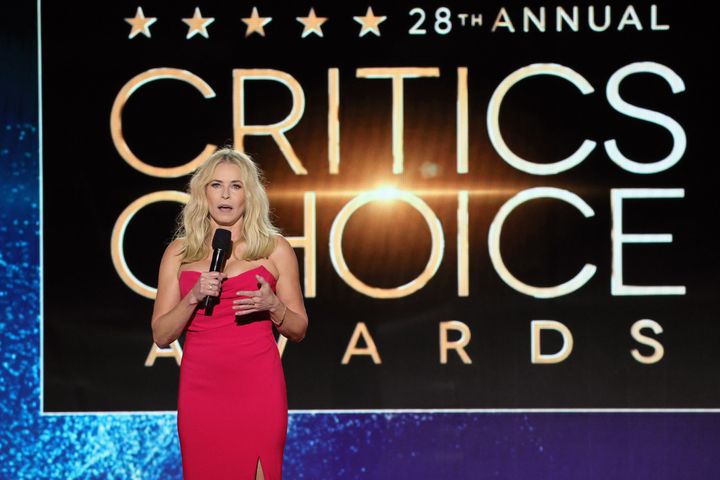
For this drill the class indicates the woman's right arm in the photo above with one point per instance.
(172, 311)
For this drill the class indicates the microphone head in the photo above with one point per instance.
(222, 239)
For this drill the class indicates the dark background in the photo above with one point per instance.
(96, 330)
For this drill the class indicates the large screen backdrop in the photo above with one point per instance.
(501, 214)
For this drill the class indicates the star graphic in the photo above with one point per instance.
(198, 24)
(370, 23)
(140, 24)
(312, 24)
(255, 23)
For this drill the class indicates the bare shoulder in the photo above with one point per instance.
(173, 252)
(283, 251)
(282, 245)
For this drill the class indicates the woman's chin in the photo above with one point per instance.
(225, 220)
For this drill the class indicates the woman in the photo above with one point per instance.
(232, 405)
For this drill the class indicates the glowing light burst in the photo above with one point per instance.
(386, 192)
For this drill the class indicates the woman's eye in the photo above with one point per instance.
(215, 185)
(237, 186)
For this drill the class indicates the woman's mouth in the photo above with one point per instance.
(225, 208)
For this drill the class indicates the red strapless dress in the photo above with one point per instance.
(232, 403)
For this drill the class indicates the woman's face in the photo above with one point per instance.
(226, 194)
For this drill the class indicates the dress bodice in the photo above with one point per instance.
(223, 313)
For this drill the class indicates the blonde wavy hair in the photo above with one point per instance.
(194, 226)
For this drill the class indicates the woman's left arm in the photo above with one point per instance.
(286, 305)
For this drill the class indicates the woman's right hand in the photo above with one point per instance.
(208, 285)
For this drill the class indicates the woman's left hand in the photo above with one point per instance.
(257, 300)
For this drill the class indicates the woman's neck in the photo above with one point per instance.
(235, 230)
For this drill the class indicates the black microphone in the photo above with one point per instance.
(222, 244)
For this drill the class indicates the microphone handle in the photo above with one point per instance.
(216, 264)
